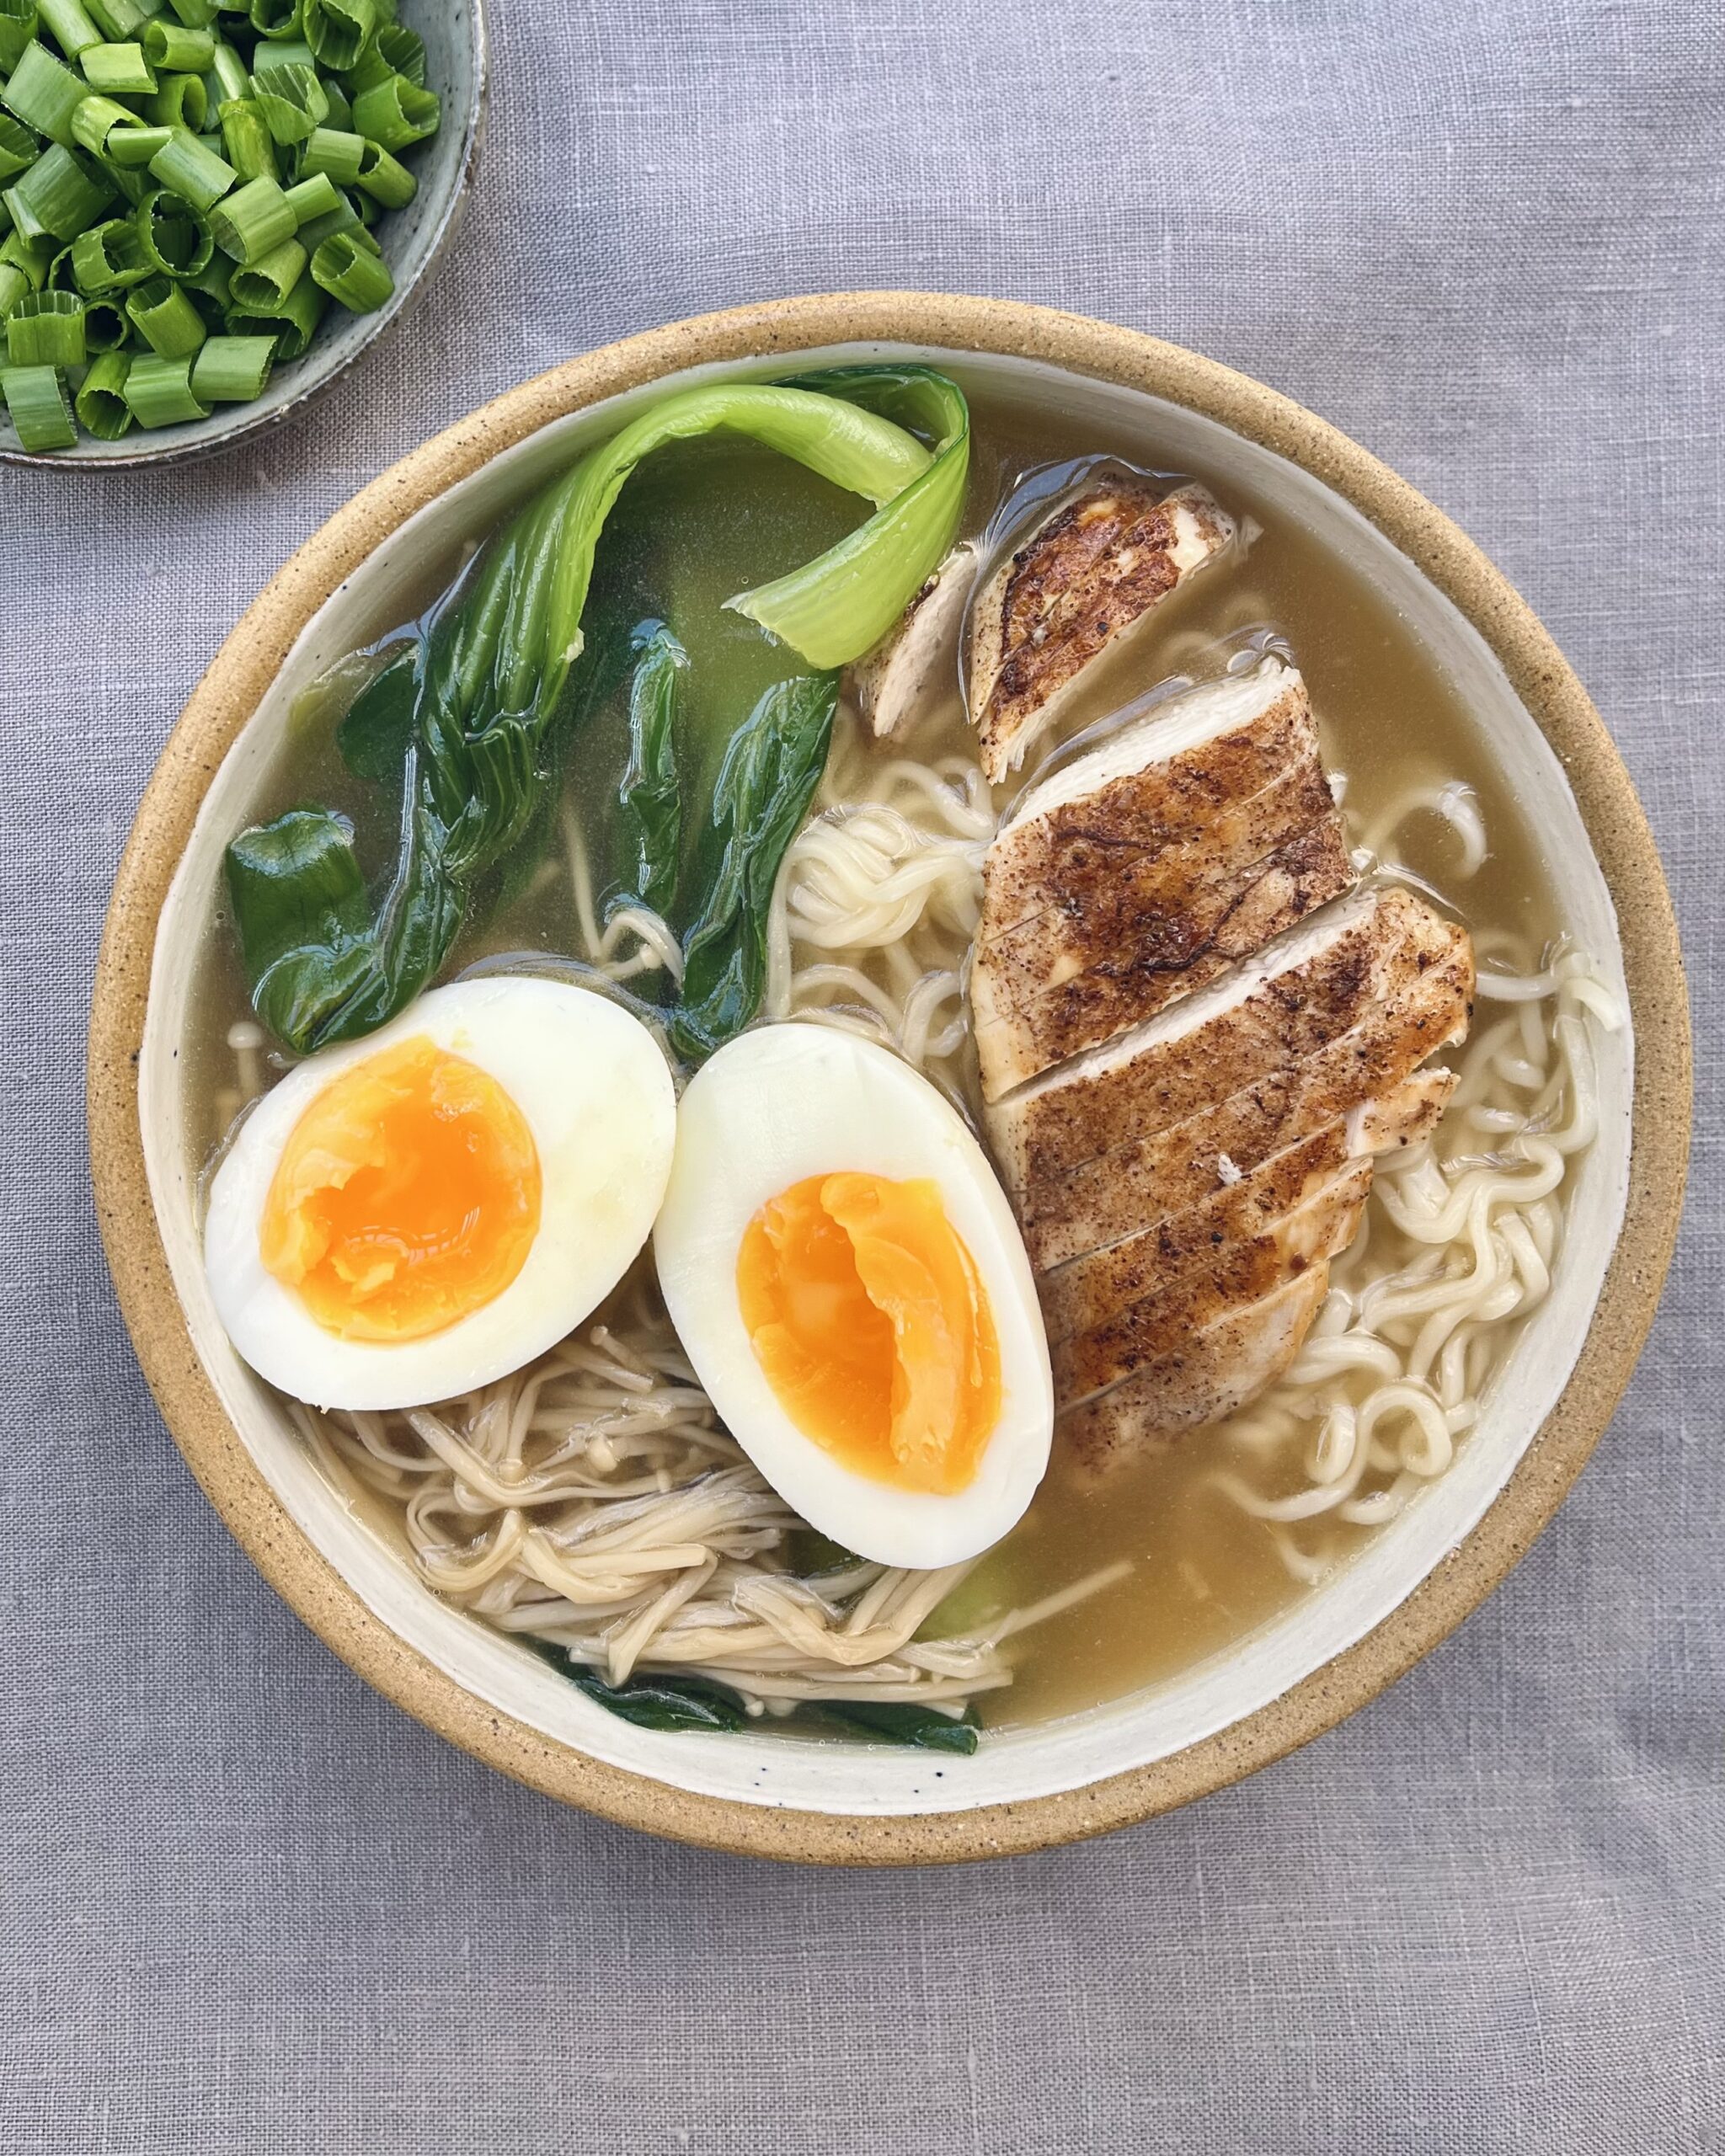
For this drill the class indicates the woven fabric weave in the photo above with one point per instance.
(246, 1905)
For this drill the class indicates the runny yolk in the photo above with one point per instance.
(867, 1314)
(406, 1196)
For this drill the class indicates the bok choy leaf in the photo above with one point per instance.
(649, 803)
(468, 727)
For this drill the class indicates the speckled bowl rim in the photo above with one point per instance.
(230, 690)
(240, 423)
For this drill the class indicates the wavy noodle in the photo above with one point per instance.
(594, 1500)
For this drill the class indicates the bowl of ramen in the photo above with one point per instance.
(887, 1078)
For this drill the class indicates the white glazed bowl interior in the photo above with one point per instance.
(1016, 1766)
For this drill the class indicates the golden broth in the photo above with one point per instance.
(1199, 1572)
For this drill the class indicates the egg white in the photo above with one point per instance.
(790, 1101)
(594, 1089)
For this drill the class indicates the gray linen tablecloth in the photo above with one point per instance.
(247, 1905)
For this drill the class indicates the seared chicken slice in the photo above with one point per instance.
(1132, 1187)
(1232, 1359)
(1141, 871)
(1089, 575)
(900, 678)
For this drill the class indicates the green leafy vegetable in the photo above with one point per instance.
(771, 769)
(901, 1722)
(666, 1703)
(650, 802)
(476, 760)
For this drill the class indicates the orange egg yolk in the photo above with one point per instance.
(406, 1198)
(867, 1314)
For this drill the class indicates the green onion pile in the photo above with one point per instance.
(185, 187)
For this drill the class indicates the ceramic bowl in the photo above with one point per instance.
(414, 240)
(1299, 1675)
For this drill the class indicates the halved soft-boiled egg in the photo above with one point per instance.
(419, 1213)
(846, 1275)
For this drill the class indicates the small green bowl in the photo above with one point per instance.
(414, 240)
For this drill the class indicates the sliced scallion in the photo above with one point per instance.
(35, 396)
(338, 31)
(194, 173)
(291, 100)
(195, 14)
(275, 19)
(130, 149)
(32, 256)
(66, 23)
(343, 218)
(46, 330)
(61, 193)
(356, 275)
(264, 284)
(280, 54)
(108, 258)
(341, 112)
(173, 45)
(176, 235)
(107, 326)
(252, 220)
(209, 292)
(232, 77)
(395, 51)
(247, 142)
(385, 178)
(117, 71)
(123, 18)
(333, 151)
(19, 148)
(17, 29)
(160, 393)
(44, 93)
(14, 285)
(396, 113)
(96, 120)
(165, 318)
(314, 196)
(233, 369)
(181, 101)
(100, 403)
(293, 324)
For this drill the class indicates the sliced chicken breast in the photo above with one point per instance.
(910, 666)
(1141, 872)
(1090, 575)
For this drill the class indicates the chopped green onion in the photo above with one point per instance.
(100, 403)
(96, 119)
(44, 94)
(395, 51)
(31, 255)
(233, 369)
(209, 292)
(68, 25)
(396, 113)
(197, 13)
(119, 70)
(341, 112)
(385, 178)
(250, 149)
(19, 148)
(60, 278)
(46, 330)
(291, 100)
(123, 19)
(130, 149)
(108, 258)
(14, 285)
(194, 173)
(351, 274)
(173, 45)
(338, 31)
(165, 318)
(176, 235)
(343, 218)
(253, 220)
(35, 396)
(276, 57)
(264, 284)
(275, 19)
(330, 150)
(18, 29)
(60, 195)
(232, 76)
(160, 393)
(107, 326)
(313, 197)
(182, 101)
(293, 324)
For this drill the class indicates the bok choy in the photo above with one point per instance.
(466, 727)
